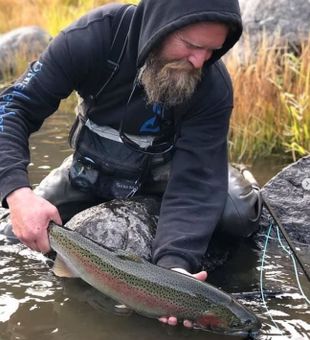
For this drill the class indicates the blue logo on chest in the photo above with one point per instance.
(152, 124)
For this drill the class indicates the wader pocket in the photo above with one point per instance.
(106, 167)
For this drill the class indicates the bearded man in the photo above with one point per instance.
(169, 100)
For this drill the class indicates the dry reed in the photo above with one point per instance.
(51, 15)
(272, 111)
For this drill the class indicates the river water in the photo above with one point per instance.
(34, 304)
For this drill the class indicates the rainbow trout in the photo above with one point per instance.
(148, 289)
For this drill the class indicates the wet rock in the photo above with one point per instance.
(130, 225)
(288, 194)
(120, 224)
(7, 236)
(289, 18)
(24, 43)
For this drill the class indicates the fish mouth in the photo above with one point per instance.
(249, 334)
(248, 328)
(245, 321)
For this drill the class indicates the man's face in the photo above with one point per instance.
(172, 72)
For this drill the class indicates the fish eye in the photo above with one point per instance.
(248, 322)
(235, 324)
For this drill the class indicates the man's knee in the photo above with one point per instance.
(243, 205)
(57, 189)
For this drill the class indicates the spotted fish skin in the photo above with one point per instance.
(151, 290)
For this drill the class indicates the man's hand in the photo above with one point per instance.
(172, 320)
(30, 217)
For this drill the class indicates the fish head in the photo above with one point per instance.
(224, 321)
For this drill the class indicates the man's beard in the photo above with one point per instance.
(170, 83)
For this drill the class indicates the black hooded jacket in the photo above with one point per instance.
(76, 60)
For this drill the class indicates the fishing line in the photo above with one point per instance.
(288, 251)
(285, 235)
(261, 279)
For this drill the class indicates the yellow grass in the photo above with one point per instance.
(52, 15)
(272, 101)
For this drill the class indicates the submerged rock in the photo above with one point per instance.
(130, 225)
(120, 224)
(5, 223)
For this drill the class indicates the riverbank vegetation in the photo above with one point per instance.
(272, 85)
(51, 15)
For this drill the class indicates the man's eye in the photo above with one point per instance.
(193, 47)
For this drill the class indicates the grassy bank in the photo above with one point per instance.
(272, 101)
(51, 15)
(272, 110)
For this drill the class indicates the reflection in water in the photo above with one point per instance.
(8, 306)
(39, 306)
(36, 305)
(49, 146)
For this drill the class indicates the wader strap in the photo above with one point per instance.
(118, 47)
(112, 66)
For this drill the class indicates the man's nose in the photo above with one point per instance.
(198, 57)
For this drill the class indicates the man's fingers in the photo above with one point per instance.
(172, 321)
(35, 239)
(201, 276)
(32, 245)
(25, 238)
(163, 319)
(43, 245)
(187, 324)
(56, 217)
(30, 215)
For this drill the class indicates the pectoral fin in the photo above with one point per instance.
(61, 269)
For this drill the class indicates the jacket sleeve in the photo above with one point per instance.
(74, 60)
(196, 192)
(23, 108)
(34, 96)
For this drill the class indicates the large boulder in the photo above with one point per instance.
(129, 225)
(120, 224)
(291, 18)
(21, 44)
(288, 194)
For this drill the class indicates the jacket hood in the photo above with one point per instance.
(155, 19)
